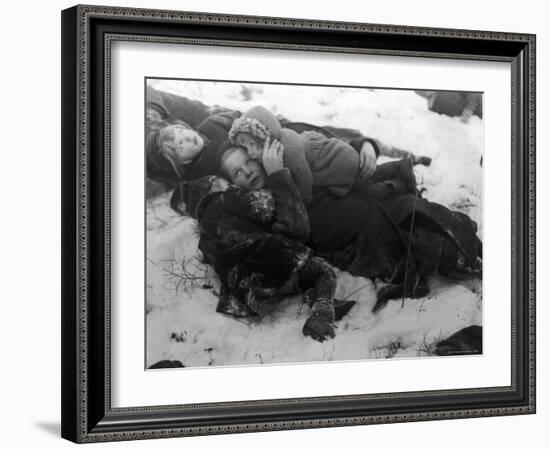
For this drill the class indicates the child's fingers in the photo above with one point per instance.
(270, 150)
(267, 153)
(266, 144)
(278, 148)
(275, 148)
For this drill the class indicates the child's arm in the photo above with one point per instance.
(301, 173)
(280, 208)
(358, 143)
(385, 149)
(175, 107)
(334, 163)
(368, 155)
(291, 218)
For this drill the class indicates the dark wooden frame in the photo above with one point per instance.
(87, 32)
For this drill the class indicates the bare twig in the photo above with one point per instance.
(428, 347)
(180, 274)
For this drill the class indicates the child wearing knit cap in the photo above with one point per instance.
(176, 152)
(315, 160)
(179, 144)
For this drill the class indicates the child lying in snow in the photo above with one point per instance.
(253, 241)
(316, 160)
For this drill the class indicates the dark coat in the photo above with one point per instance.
(443, 240)
(175, 107)
(371, 239)
(349, 135)
(253, 239)
(356, 234)
(215, 128)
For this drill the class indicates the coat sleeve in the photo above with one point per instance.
(300, 170)
(216, 127)
(291, 218)
(254, 206)
(175, 107)
(357, 144)
(333, 163)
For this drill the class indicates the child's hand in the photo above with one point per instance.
(367, 160)
(272, 157)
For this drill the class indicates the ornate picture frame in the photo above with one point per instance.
(88, 33)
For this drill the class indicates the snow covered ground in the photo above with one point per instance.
(182, 323)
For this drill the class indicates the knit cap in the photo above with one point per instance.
(250, 126)
(157, 161)
(161, 164)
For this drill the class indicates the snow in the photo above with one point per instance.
(182, 323)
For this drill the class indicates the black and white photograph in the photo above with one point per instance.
(295, 223)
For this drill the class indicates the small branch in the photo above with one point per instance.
(179, 274)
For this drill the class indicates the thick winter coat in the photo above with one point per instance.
(253, 239)
(374, 239)
(355, 233)
(173, 107)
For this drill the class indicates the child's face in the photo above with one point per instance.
(185, 145)
(252, 146)
(244, 171)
